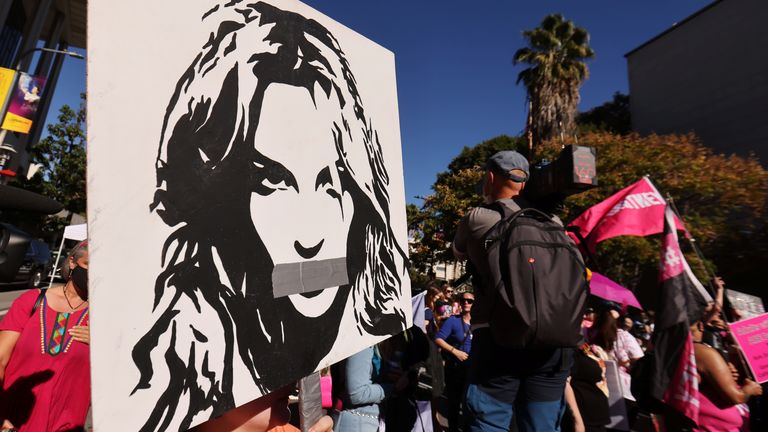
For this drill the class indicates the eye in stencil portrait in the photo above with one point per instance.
(273, 179)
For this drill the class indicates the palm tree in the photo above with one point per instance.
(555, 55)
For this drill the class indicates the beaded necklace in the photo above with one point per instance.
(58, 339)
(70, 303)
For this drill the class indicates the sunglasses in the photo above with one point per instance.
(467, 300)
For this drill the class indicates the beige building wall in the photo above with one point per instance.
(708, 75)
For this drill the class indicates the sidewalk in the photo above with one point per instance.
(6, 298)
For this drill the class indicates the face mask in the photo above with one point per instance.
(79, 277)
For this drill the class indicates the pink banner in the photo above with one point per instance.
(752, 336)
(635, 210)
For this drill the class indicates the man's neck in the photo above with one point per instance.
(502, 196)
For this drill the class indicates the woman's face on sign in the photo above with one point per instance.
(298, 207)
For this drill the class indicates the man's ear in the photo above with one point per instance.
(488, 183)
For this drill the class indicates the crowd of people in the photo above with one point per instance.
(451, 368)
(490, 386)
(611, 333)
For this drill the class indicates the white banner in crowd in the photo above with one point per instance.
(617, 407)
(747, 305)
(76, 232)
(246, 204)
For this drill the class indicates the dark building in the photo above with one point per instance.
(26, 26)
(708, 74)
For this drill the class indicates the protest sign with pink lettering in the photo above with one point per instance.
(752, 336)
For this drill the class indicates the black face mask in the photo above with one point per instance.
(79, 277)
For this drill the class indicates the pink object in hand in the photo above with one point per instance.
(326, 388)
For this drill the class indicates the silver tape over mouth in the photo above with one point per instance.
(308, 276)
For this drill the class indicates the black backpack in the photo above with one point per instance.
(538, 285)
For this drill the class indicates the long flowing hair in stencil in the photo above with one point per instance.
(215, 259)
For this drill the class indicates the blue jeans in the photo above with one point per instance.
(504, 381)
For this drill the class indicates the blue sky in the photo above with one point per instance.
(456, 81)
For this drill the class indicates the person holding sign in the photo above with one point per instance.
(266, 414)
(719, 391)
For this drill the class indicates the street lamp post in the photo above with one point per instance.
(50, 50)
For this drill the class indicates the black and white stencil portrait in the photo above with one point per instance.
(246, 204)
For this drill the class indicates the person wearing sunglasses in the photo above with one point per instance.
(448, 290)
(455, 339)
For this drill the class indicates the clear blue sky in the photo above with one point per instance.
(456, 82)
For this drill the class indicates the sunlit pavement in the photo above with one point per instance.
(6, 298)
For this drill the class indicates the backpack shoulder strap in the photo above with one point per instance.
(535, 213)
(39, 300)
(505, 211)
(509, 214)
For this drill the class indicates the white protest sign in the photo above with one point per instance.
(617, 408)
(246, 204)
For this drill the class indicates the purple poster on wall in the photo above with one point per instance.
(22, 106)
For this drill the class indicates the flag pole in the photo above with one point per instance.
(584, 248)
(695, 246)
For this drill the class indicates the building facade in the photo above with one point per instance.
(27, 29)
(708, 74)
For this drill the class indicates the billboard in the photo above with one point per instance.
(246, 204)
(23, 103)
(7, 78)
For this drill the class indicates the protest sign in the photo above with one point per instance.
(617, 407)
(748, 306)
(752, 336)
(245, 203)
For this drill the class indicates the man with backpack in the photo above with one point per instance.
(530, 292)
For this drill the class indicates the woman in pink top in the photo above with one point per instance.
(719, 394)
(44, 355)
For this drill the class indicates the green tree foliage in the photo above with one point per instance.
(723, 200)
(62, 175)
(613, 116)
(455, 191)
(555, 56)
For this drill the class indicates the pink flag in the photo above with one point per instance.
(635, 210)
(683, 299)
(683, 391)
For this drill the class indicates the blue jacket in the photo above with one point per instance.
(362, 393)
(457, 333)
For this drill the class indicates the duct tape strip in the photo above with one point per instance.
(308, 276)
